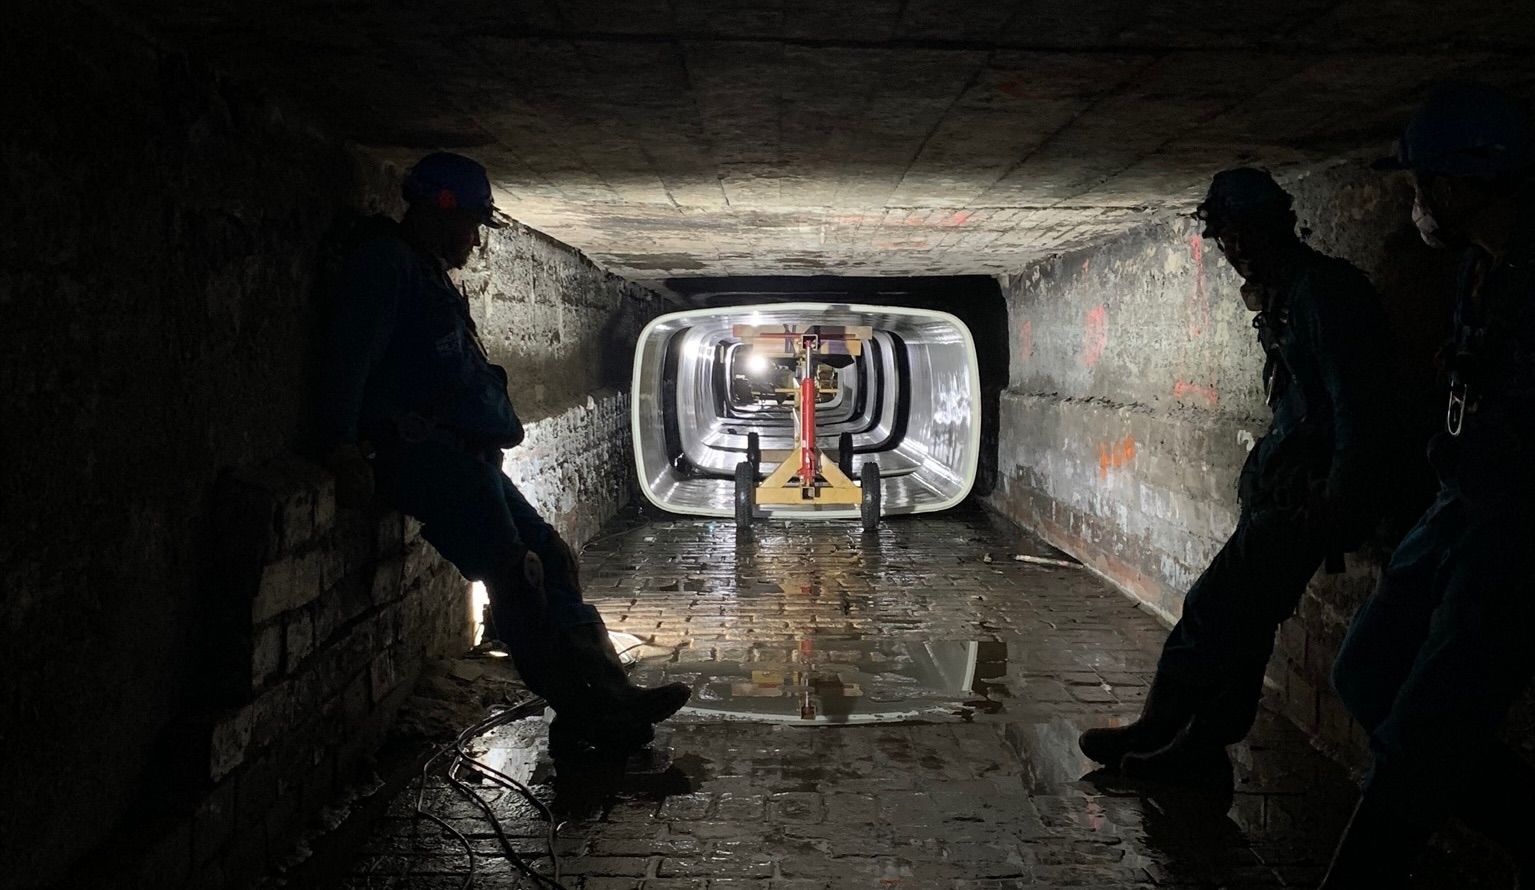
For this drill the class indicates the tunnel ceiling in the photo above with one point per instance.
(865, 137)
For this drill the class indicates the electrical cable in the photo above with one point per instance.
(505, 780)
(460, 757)
(421, 811)
(639, 524)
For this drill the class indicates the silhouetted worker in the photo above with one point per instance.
(1309, 490)
(408, 378)
(1438, 654)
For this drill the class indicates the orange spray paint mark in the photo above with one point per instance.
(1199, 303)
(1186, 391)
(1114, 455)
(1095, 335)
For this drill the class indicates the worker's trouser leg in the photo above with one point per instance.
(561, 570)
(1223, 641)
(481, 523)
(477, 519)
(1439, 653)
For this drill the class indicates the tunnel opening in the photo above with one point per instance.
(900, 400)
(836, 377)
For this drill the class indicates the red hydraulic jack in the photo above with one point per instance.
(806, 477)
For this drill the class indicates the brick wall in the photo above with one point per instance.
(1136, 393)
(164, 698)
(565, 330)
(322, 622)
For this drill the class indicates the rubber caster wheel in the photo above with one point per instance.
(746, 494)
(868, 507)
(754, 451)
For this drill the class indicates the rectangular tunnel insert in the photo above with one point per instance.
(909, 401)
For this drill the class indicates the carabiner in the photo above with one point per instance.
(1455, 411)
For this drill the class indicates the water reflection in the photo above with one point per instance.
(821, 679)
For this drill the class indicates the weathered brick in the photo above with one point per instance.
(230, 739)
(411, 530)
(289, 583)
(388, 580)
(383, 673)
(266, 652)
(298, 629)
(390, 536)
(213, 822)
(337, 607)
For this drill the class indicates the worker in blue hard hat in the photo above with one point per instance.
(411, 406)
(1441, 650)
(1311, 488)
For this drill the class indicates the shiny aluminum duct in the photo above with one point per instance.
(910, 401)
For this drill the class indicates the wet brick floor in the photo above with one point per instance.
(801, 641)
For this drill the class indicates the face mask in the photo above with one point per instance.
(1252, 296)
(1428, 227)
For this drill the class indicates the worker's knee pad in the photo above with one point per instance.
(518, 603)
(519, 580)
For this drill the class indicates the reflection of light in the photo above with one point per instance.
(479, 598)
(756, 364)
(627, 646)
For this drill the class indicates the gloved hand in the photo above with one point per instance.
(354, 475)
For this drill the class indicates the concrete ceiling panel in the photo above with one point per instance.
(883, 137)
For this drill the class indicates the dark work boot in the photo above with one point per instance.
(588, 724)
(1498, 808)
(1378, 848)
(597, 662)
(1192, 759)
(593, 658)
(576, 739)
(1169, 707)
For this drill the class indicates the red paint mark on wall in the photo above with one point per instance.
(1021, 87)
(1026, 341)
(1115, 455)
(1199, 302)
(1095, 335)
(1185, 391)
(957, 218)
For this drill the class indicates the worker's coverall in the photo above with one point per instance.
(1439, 653)
(1329, 375)
(407, 374)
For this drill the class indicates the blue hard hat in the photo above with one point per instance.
(1241, 195)
(1465, 129)
(447, 181)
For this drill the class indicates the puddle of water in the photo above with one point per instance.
(1049, 754)
(826, 680)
